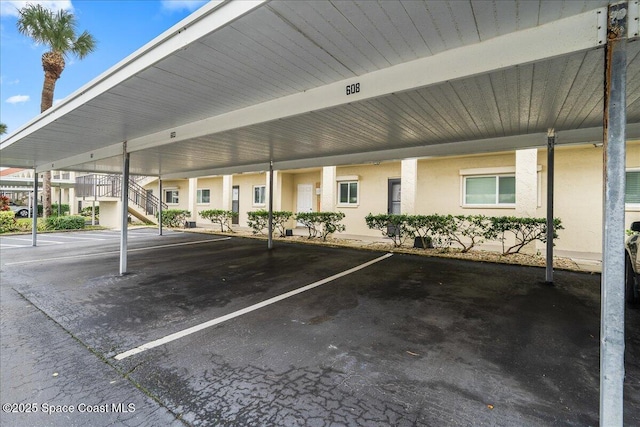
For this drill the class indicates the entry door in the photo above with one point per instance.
(393, 200)
(149, 203)
(305, 198)
(235, 203)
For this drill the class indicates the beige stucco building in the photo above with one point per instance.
(507, 183)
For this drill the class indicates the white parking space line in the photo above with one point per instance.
(2, 246)
(80, 238)
(243, 311)
(117, 252)
(29, 240)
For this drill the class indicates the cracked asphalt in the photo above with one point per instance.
(405, 341)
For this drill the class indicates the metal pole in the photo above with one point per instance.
(60, 200)
(125, 209)
(270, 244)
(34, 224)
(612, 286)
(94, 179)
(160, 206)
(551, 142)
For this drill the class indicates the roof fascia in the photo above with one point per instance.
(491, 145)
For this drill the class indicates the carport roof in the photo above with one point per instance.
(238, 84)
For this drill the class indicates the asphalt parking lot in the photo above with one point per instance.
(210, 330)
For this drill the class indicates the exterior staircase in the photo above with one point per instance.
(142, 204)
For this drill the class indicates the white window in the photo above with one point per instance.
(203, 196)
(489, 190)
(632, 190)
(171, 197)
(259, 194)
(348, 192)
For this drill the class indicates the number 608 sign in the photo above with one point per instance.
(353, 88)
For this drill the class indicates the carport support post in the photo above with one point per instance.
(160, 206)
(551, 142)
(270, 243)
(125, 209)
(34, 212)
(612, 287)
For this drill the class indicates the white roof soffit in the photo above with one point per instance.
(270, 83)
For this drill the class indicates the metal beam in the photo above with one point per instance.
(551, 142)
(612, 287)
(270, 239)
(125, 209)
(160, 206)
(34, 214)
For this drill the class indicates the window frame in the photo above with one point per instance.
(199, 196)
(496, 204)
(177, 196)
(348, 183)
(263, 194)
(631, 206)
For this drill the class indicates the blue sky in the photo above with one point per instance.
(121, 27)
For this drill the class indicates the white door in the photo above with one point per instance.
(305, 198)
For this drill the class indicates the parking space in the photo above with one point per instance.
(221, 331)
(66, 238)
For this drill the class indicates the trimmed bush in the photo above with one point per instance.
(393, 226)
(468, 230)
(73, 222)
(174, 218)
(7, 222)
(26, 224)
(87, 211)
(321, 224)
(219, 216)
(525, 231)
(259, 221)
(464, 230)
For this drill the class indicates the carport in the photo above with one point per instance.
(253, 85)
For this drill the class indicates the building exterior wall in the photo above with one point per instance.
(373, 181)
(439, 189)
(214, 185)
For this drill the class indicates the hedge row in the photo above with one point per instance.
(174, 217)
(220, 217)
(319, 224)
(9, 223)
(466, 231)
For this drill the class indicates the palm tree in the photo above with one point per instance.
(3, 128)
(57, 31)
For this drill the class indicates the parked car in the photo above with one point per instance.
(19, 210)
(632, 263)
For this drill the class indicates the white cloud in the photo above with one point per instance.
(16, 99)
(190, 5)
(10, 7)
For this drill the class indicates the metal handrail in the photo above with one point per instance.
(110, 186)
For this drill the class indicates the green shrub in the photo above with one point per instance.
(7, 221)
(468, 230)
(87, 211)
(321, 224)
(73, 222)
(259, 221)
(26, 224)
(174, 217)
(524, 230)
(390, 225)
(219, 216)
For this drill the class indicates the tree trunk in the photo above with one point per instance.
(53, 64)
